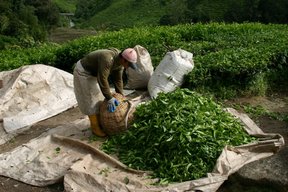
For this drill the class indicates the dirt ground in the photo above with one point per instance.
(62, 35)
(275, 103)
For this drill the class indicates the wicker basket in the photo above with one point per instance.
(118, 121)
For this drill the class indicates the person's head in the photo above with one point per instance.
(129, 58)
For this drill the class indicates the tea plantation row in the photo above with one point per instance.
(230, 59)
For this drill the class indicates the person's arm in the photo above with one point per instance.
(102, 77)
(118, 81)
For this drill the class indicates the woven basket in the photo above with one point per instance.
(120, 119)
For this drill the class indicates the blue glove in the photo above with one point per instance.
(112, 103)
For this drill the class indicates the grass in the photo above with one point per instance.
(127, 13)
(67, 6)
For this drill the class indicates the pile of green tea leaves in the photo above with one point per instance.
(179, 136)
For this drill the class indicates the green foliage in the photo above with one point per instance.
(89, 8)
(27, 19)
(16, 57)
(242, 56)
(66, 6)
(115, 15)
(258, 111)
(230, 59)
(46, 12)
(35, 18)
(179, 135)
(121, 14)
(6, 41)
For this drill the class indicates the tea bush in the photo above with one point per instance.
(236, 58)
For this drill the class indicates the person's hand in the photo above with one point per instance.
(112, 104)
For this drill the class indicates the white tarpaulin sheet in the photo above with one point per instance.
(30, 94)
(65, 152)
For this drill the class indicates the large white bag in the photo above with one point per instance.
(138, 79)
(170, 73)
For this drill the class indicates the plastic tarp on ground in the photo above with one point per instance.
(65, 154)
(30, 94)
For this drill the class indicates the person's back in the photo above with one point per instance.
(98, 60)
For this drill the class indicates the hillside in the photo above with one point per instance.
(67, 6)
(127, 13)
(112, 14)
(31, 21)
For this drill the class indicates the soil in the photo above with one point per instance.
(63, 35)
(275, 103)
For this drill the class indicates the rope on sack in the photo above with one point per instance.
(128, 113)
(132, 104)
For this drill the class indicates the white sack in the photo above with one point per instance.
(33, 93)
(170, 72)
(138, 79)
